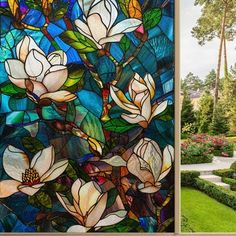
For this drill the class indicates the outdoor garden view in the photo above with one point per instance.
(208, 118)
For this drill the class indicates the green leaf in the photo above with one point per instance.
(62, 224)
(78, 41)
(32, 144)
(71, 172)
(44, 199)
(71, 112)
(74, 77)
(89, 123)
(57, 187)
(59, 9)
(32, 200)
(112, 194)
(166, 115)
(124, 5)
(34, 4)
(126, 225)
(151, 18)
(12, 90)
(118, 125)
(125, 43)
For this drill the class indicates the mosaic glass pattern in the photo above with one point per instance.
(87, 116)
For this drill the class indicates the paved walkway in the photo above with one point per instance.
(218, 163)
(207, 169)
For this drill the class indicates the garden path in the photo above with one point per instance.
(207, 169)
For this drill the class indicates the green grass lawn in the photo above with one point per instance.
(200, 213)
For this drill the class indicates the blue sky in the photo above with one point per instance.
(193, 57)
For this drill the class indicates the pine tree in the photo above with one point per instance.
(232, 117)
(218, 20)
(204, 117)
(187, 113)
(219, 124)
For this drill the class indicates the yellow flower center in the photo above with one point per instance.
(30, 177)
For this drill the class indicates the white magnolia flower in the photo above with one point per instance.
(29, 177)
(100, 16)
(89, 204)
(42, 75)
(149, 165)
(141, 91)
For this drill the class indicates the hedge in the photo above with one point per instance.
(219, 193)
(224, 172)
(231, 182)
(188, 178)
(233, 166)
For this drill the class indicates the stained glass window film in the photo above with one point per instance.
(87, 116)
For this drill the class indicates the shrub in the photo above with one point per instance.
(188, 178)
(231, 182)
(224, 172)
(219, 193)
(220, 146)
(233, 166)
(194, 153)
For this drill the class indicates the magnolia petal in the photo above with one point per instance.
(167, 161)
(55, 171)
(149, 188)
(55, 77)
(75, 189)
(18, 82)
(88, 196)
(57, 58)
(60, 96)
(15, 162)
(169, 151)
(8, 187)
(38, 88)
(85, 5)
(43, 160)
(15, 69)
(30, 190)
(111, 39)
(115, 161)
(156, 110)
(112, 218)
(151, 154)
(150, 84)
(36, 65)
(137, 84)
(66, 204)
(120, 99)
(25, 46)
(112, 7)
(78, 229)
(134, 166)
(83, 29)
(133, 119)
(95, 214)
(95, 23)
(103, 11)
(146, 109)
(125, 26)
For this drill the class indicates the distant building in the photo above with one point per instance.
(195, 97)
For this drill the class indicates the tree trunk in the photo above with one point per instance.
(225, 60)
(219, 59)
